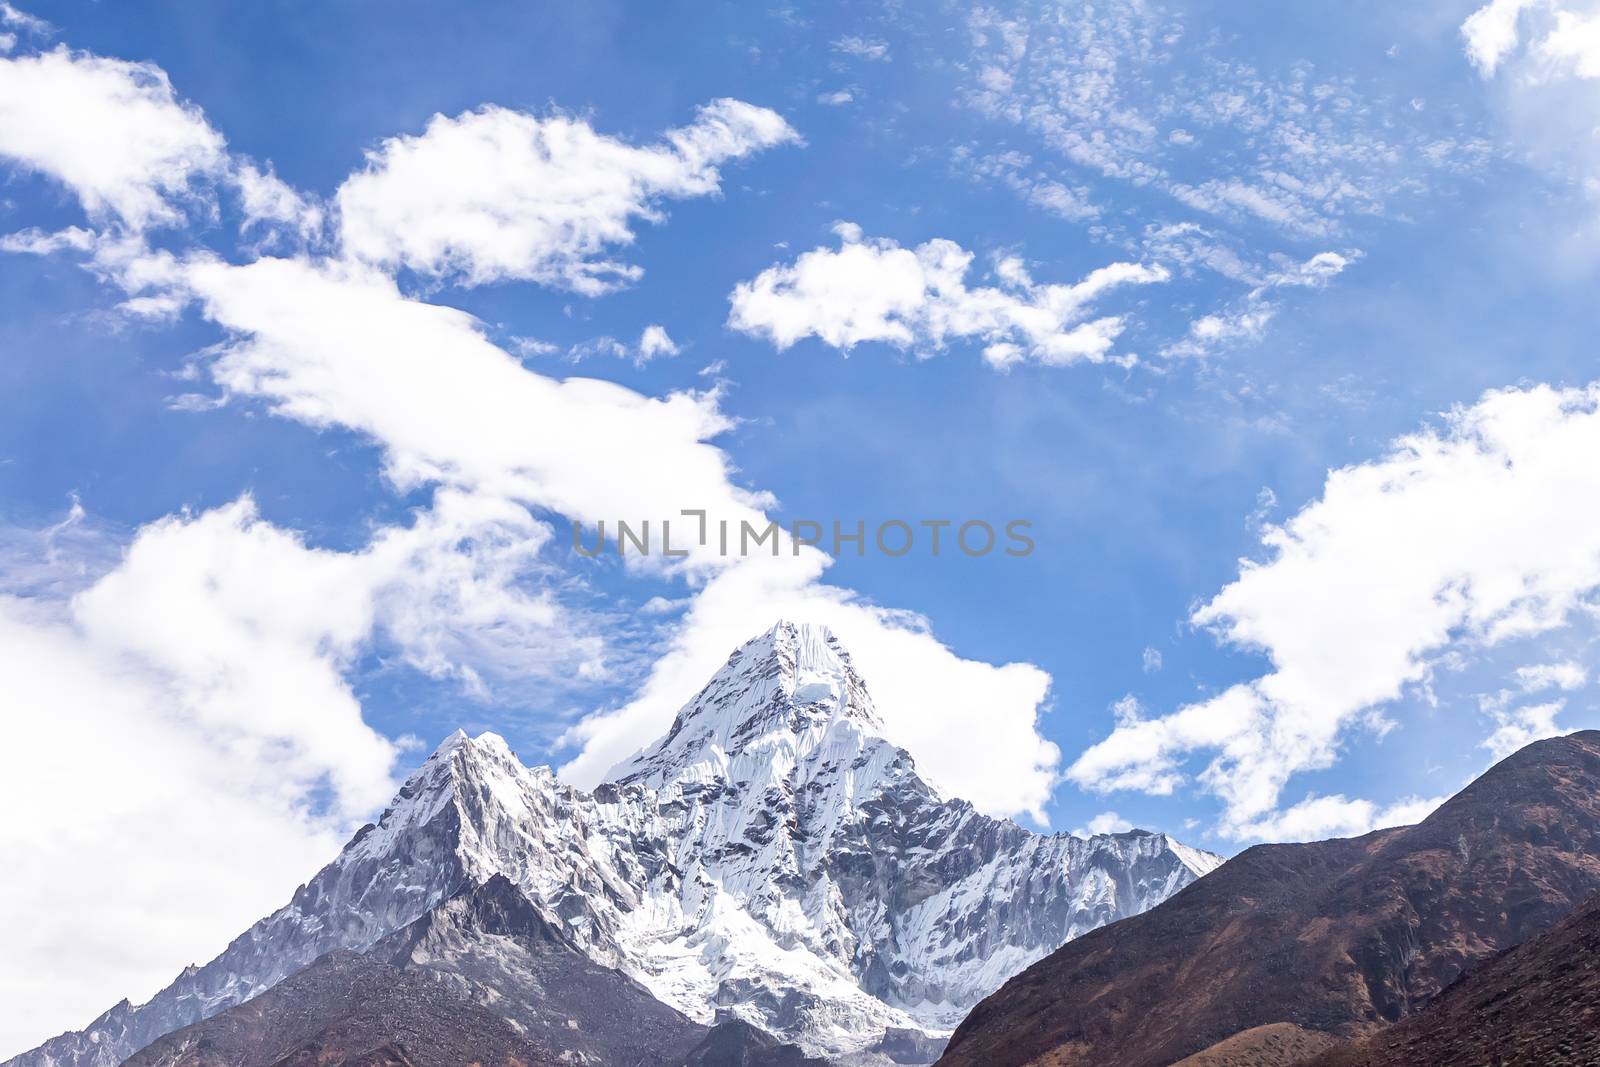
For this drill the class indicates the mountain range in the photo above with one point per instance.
(773, 884)
(770, 881)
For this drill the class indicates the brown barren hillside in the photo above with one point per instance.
(1535, 1006)
(1336, 937)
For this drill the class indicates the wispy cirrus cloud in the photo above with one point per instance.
(1132, 96)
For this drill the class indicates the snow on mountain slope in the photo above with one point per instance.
(772, 857)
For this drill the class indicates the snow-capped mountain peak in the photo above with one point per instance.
(772, 857)
(779, 697)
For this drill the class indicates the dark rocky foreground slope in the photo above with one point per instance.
(1332, 939)
(348, 1010)
(1537, 1005)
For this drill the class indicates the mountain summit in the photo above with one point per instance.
(778, 699)
(771, 859)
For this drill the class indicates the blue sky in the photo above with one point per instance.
(277, 506)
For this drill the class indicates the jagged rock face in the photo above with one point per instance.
(492, 946)
(772, 858)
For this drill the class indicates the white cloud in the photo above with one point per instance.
(21, 20)
(654, 342)
(1151, 660)
(918, 298)
(329, 343)
(1541, 676)
(1522, 726)
(1317, 818)
(120, 782)
(494, 195)
(112, 131)
(862, 47)
(837, 98)
(57, 561)
(266, 200)
(1491, 32)
(1575, 42)
(1563, 40)
(1107, 822)
(1463, 536)
(185, 704)
(1542, 72)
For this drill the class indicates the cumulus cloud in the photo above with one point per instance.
(267, 200)
(1491, 32)
(918, 298)
(184, 704)
(120, 775)
(330, 343)
(654, 342)
(496, 195)
(1465, 535)
(111, 131)
(1562, 39)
